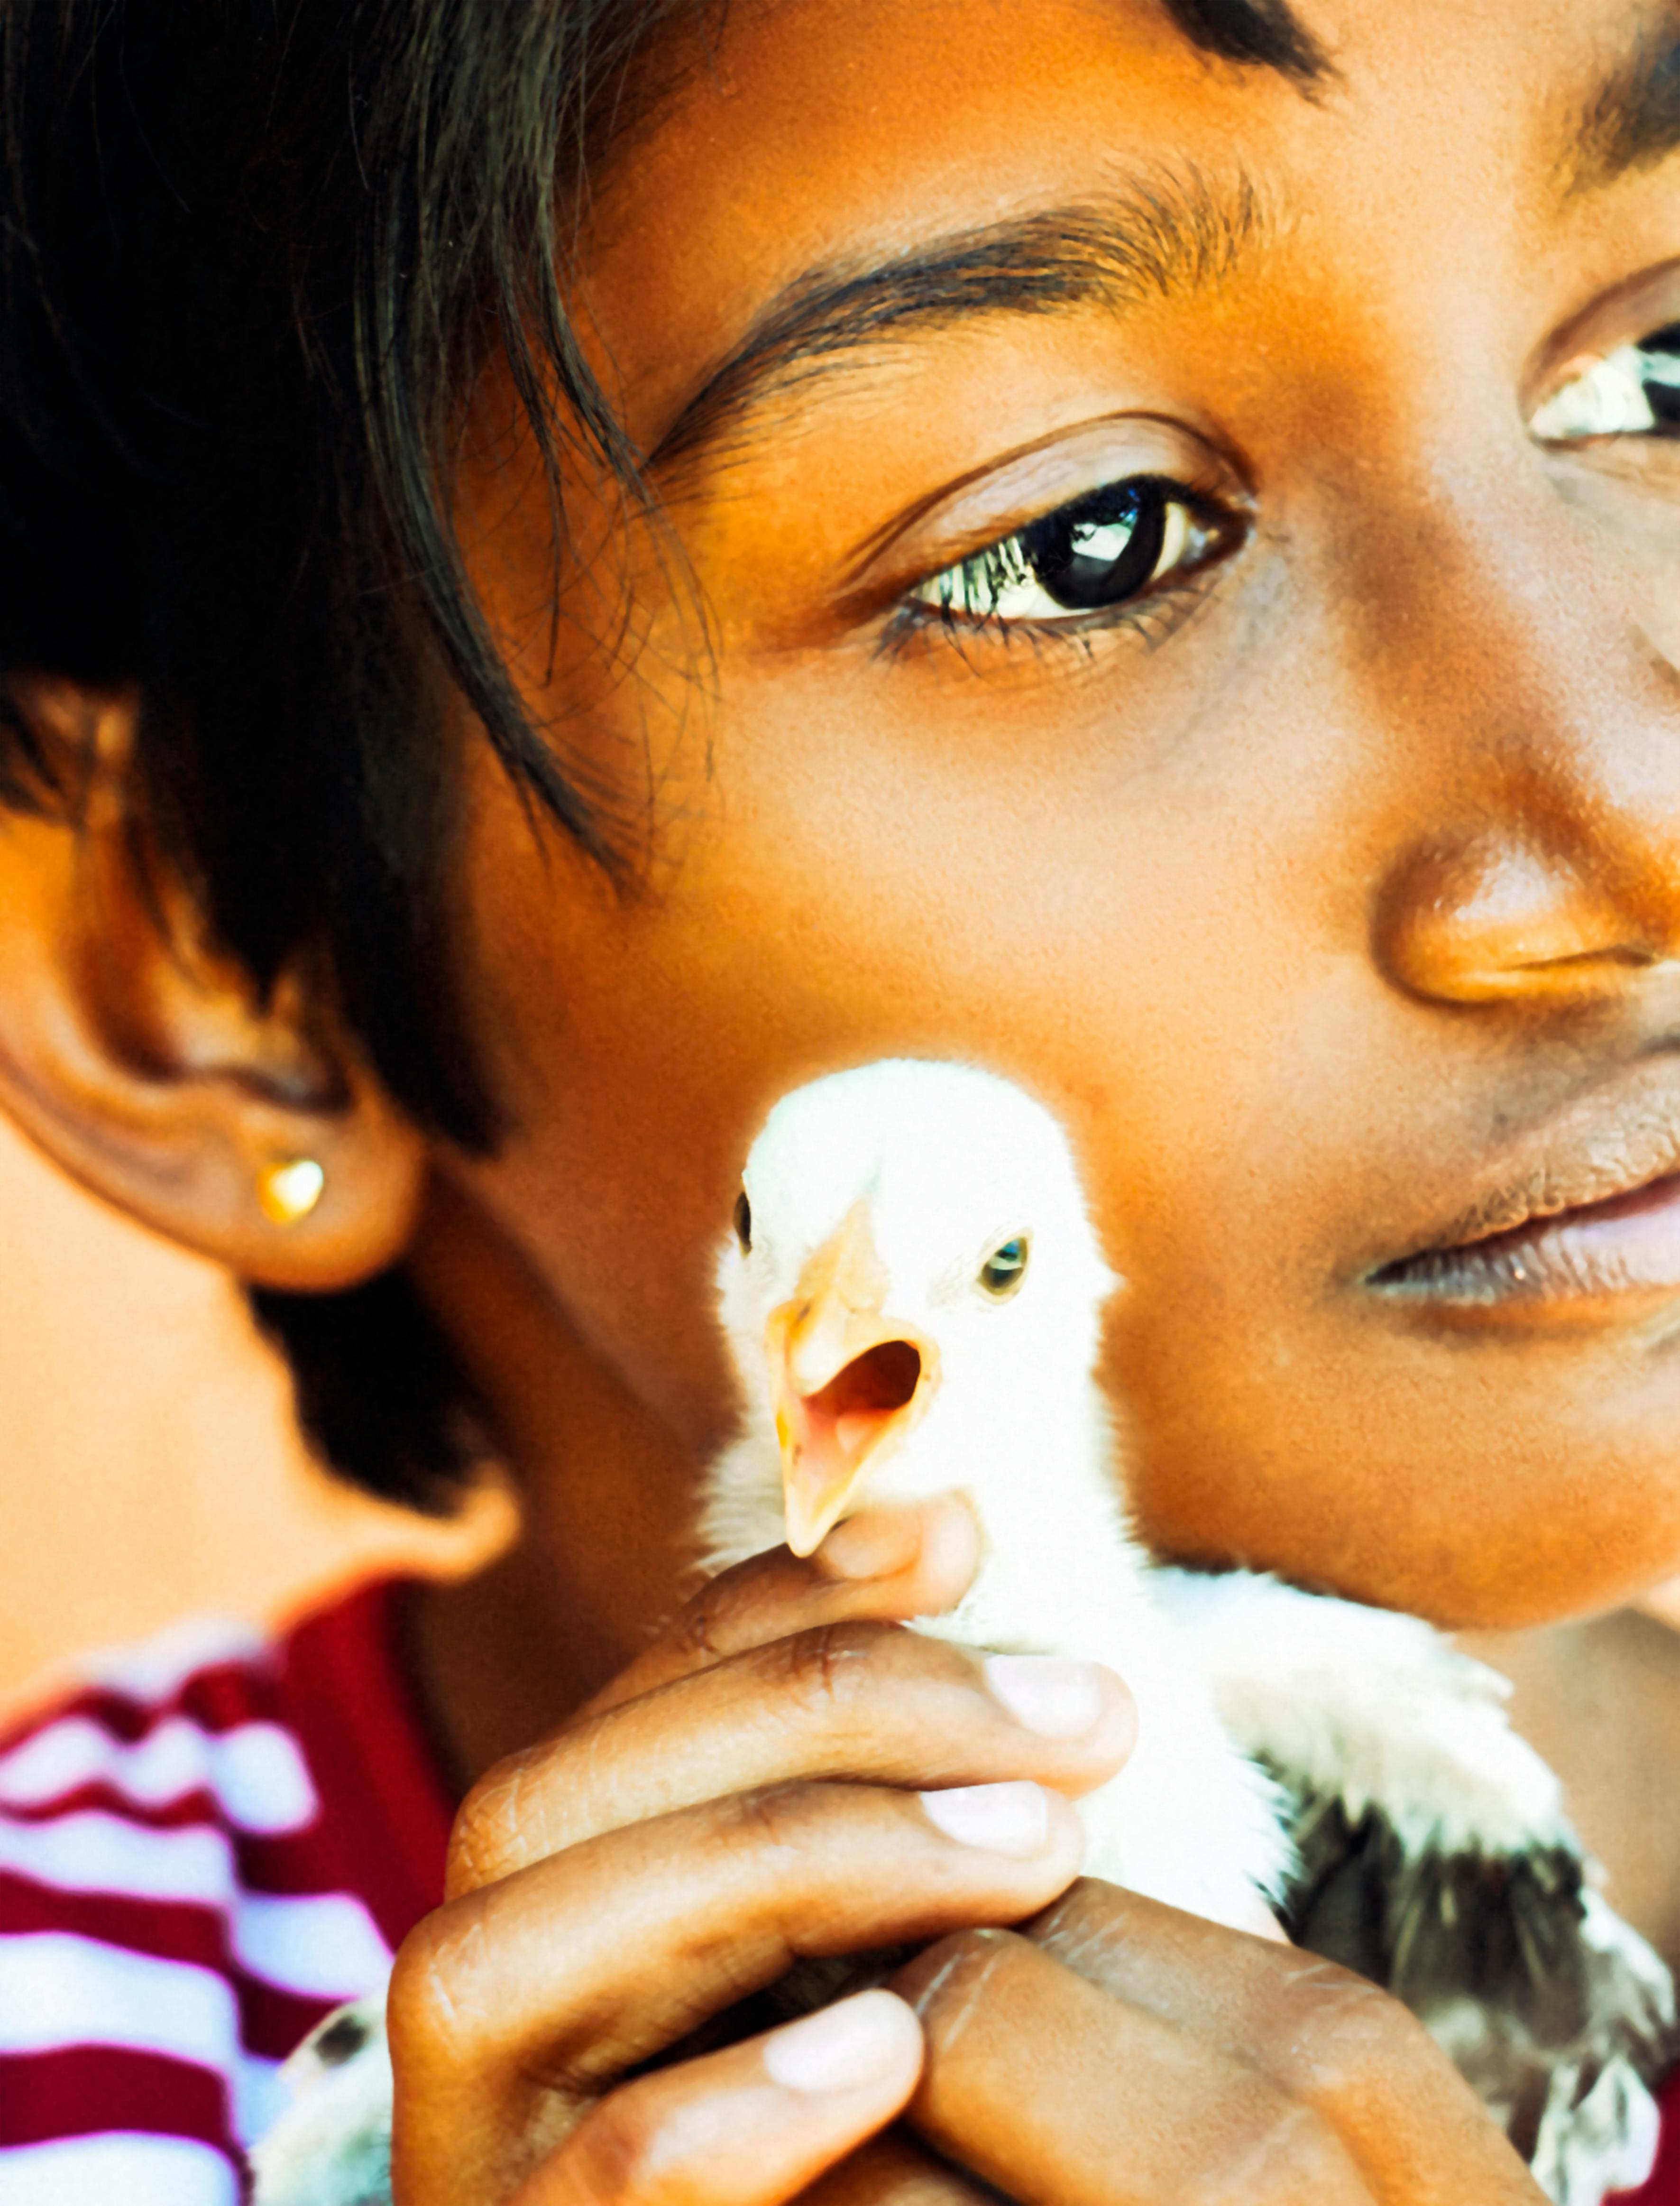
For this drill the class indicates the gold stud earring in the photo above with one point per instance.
(288, 1188)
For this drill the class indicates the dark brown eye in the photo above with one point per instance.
(1005, 1268)
(743, 1221)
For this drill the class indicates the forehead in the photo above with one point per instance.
(821, 134)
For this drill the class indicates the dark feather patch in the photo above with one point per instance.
(1491, 1953)
(340, 2041)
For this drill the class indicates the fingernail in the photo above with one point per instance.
(873, 1546)
(859, 2041)
(1005, 1819)
(1055, 1698)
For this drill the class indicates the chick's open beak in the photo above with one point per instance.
(847, 1381)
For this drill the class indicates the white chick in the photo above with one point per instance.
(912, 1298)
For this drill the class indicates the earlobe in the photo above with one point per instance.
(146, 1065)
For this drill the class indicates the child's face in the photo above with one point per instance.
(1329, 886)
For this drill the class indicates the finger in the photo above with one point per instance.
(885, 1564)
(1112, 2104)
(893, 2170)
(1329, 2038)
(861, 1701)
(516, 2002)
(1061, 2095)
(750, 2126)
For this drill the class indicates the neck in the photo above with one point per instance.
(1600, 1700)
(605, 1496)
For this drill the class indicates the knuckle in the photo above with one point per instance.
(948, 1981)
(818, 1668)
(616, 2154)
(829, 1670)
(1343, 2030)
(699, 1633)
(485, 1827)
(431, 2002)
(1286, 2154)
(776, 1819)
(1089, 1922)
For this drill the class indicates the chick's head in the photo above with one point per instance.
(912, 1282)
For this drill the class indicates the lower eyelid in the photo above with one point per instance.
(926, 595)
(1153, 618)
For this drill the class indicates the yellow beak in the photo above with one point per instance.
(848, 1383)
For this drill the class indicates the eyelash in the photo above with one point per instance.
(1154, 611)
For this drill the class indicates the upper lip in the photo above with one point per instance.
(1621, 1135)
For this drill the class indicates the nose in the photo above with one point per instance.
(1544, 864)
(1497, 916)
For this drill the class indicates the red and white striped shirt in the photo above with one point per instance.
(215, 1840)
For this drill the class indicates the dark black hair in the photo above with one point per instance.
(252, 253)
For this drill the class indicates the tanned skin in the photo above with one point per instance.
(1330, 896)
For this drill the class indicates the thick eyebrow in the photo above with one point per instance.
(1632, 119)
(1162, 237)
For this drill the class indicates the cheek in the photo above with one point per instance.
(834, 886)
(1491, 1485)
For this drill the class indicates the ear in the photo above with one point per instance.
(146, 1065)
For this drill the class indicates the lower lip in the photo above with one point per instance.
(1609, 1260)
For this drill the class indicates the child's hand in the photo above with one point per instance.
(748, 1792)
(783, 1774)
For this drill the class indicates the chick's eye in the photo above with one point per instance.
(1005, 1268)
(743, 1221)
(1634, 391)
(1085, 558)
